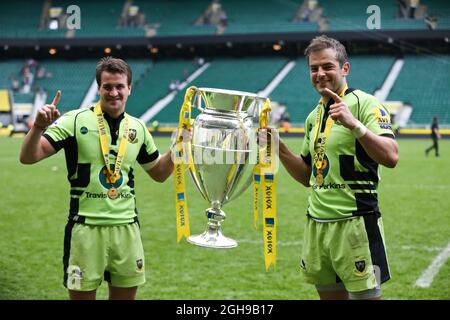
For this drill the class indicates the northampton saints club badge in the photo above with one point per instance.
(360, 267)
(132, 136)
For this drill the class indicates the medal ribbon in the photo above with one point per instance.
(113, 175)
(180, 153)
(264, 177)
(319, 151)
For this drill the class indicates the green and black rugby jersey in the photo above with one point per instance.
(351, 177)
(77, 132)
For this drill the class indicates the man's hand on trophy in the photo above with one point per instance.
(267, 136)
(268, 150)
(181, 135)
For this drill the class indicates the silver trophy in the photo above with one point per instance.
(224, 152)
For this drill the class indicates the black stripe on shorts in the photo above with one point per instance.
(67, 240)
(376, 246)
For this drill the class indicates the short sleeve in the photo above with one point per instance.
(148, 154)
(60, 130)
(304, 152)
(376, 117)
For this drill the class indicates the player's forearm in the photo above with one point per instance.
(31, 151)
(163, 169)
(382, 150)
(294, 165)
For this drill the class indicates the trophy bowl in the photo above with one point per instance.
(224, 151)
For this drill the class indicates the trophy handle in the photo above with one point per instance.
(198, 101)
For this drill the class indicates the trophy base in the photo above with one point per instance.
(212, 239)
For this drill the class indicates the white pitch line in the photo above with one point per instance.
(281, 243)
(427, 276)
(421, 248)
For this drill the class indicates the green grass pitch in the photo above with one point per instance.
(414, 201)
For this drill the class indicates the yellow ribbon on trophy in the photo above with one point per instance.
(181, 152)
(264, 177)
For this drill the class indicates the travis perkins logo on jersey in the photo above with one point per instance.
(324, 172)
(330, 185)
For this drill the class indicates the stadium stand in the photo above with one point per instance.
(368, 72)
(245, 74)
(15, 79)
(272, 16)
(423, 82)
(225, 29)
(81, 75)
(101, 19)
(22, 20)
(350, 17)
(10, 70)
(296, 93)
(154, 84)
(440, 11)
(177, 17)
(73, 78)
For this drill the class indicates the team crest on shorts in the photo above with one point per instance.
(74, 277)
(139, 264)
(132, 136)
(360, 267)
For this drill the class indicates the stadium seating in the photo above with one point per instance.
(441, 10)
(100, 19)
(298, 95)
(12, 70)
(296, 92)
(244, 74)
(368, 72)
(175, 17)
(351, 15)
(8, 70)
(424, 83)
(154, 84)
(263, 16)
(21, 20)
(73, 78)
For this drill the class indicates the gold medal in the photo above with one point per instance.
(319, 179)
(112, 193)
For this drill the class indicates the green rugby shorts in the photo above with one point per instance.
(350, 251)
(93, 253)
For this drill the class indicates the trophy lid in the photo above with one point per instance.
(229, 100)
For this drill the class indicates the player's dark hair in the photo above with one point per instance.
(112, 65)
(323, 42)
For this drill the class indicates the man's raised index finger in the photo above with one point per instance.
(333, 95)
(56, 98)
